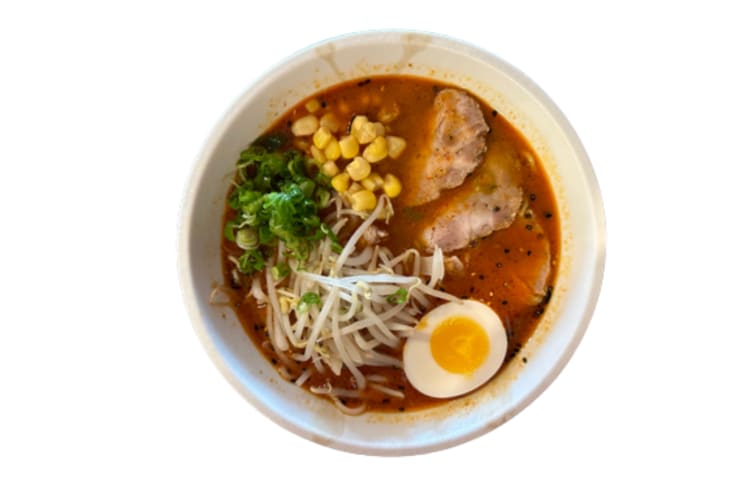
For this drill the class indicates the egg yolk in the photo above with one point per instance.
(459, 345)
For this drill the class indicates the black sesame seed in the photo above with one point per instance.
(401, 408)
(529, 227)
(386, 401)
(435, 89)
(494, 113)
(527, 215)
(498, 265)
(528, 252)
(464, 297)
(496, 209)
(289, 123)
(506, 250)
(322, 104)
(505, 302)
(547, 296)
(532, 197)
(547, 215)
(471, 290)
(273, 361)
(481, 276)
(524, 359)
(401, 388)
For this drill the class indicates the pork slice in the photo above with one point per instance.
(490, 204)
(457, 148)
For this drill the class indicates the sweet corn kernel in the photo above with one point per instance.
(376, 150)
(391, 186)
(333, 150)
(301, 144)
(317, 154)
(307, 125)
(349, 147)
(366, 134)
(322, 137)
(373, 182)
(358, 168)
(396, 146)
(330, 169)
(388, 112)
(285, 304)
(354, 187)
(340, 182)
(329, 121)
(312, 105)
(379, 128)
(357, 124)
(363, 201)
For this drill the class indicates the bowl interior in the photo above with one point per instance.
(581, 261)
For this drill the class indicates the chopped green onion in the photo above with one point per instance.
(280, 270)
(229, 230)
(247, 238)
(322, 197)
(307, 300)
(277, 200)
(311, 298)
(398, 297)
(251, 261)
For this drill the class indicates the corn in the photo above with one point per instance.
(301, 144)
(317, 154)
(354, 187)
(389, 112)
(366, 134)
(306, 125)
(373, 182)
(379, 128)
(285, 304)
(330, 122)
(396, 146)
(340, 182)
(322, 137)
(376, 150)
(312, 105)
(363, 201)
(391, 186)
(358, 169)
(349, 147)
(330, 169)
(357, 124)
(333, 150)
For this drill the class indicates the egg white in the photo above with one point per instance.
(429, 378)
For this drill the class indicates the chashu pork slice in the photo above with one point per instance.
(457, 148)
(489, 201)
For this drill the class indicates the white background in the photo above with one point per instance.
(105, 392)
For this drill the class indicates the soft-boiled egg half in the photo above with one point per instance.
(454, 349)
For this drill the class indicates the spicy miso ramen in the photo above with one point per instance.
(390, 243)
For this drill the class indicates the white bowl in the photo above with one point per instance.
(504, 88)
